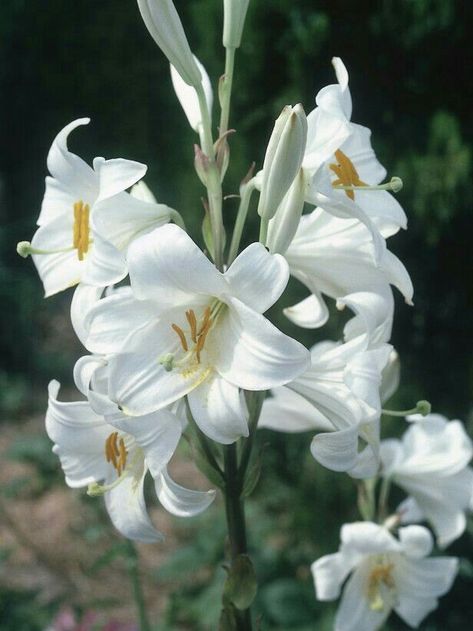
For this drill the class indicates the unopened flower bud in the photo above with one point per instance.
(201, 164)
(165, 27)
(234, 14)
(283, 225)
(283, 159)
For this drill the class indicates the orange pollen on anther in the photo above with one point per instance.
(198, 335)
(80, 234)
(346, 173)
(115, 452)
(182, 336)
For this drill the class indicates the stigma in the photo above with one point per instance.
(193, 341)
(80, 231)
(348, 180)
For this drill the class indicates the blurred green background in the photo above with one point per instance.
(410, 65)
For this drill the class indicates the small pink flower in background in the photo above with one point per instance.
(66, 620)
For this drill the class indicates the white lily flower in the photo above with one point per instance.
(112, 458)
(385, 574)
(339, 397)
(87, 220)
(345, 171)
(333, 256)
(430, 463)
(184, 328)
(188, 98)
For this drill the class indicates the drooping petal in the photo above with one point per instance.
(421, 583)
(254, 354)
(310, 313)
(218, 411)
(329, 573)
(84, 371)
(258, 278)
(79, 436)
(180, 501)
(338, 450)
(166, 266)
(127, 509)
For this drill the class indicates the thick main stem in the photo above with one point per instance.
(235, 512)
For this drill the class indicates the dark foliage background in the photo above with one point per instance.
(410, 64)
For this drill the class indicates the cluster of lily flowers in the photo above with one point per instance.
(184, 338)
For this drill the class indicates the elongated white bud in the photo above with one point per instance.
(234, 14)
(283, 159)
(188, 96)
(283, 225)
(165, 27)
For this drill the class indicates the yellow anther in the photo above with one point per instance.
(190, 315)
(115, 452)
(202, 337)
(80, 231)
(182, 337)
(346, 173)
(381, 574)
(206, 319)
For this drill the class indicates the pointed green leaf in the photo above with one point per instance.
(240, 585)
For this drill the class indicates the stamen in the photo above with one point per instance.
(347, 175)
(80, 230)
(190, 315)
(207, 313)
(115, 452)
(422, 407)
(181, 335)
(202, 337)
(379, 575)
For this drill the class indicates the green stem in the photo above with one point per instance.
(255, 403)
(383, 499)
(246, 193)
(138, 595)
(226, 90)
(214, 186)
(235, 513)
(263, 231)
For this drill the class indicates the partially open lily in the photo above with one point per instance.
(112, 459)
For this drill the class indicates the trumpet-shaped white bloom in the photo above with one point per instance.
(385, 574)
(184, 328)
(87, 220)
(343, 164)
(112, 458)
(339, 396)
(430, 463)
